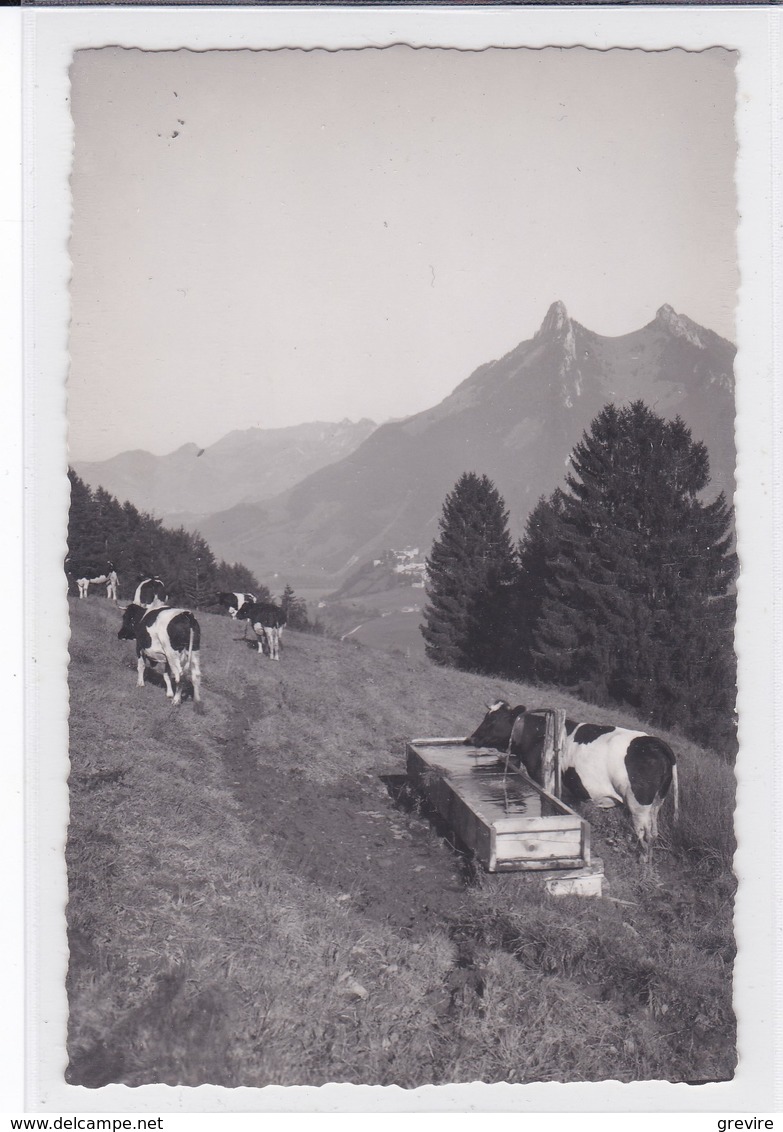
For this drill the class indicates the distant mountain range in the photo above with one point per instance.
(246, 466)
(515, 419)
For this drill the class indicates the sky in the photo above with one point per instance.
(264, 238)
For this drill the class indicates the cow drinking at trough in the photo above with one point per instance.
(169, 638)
(150, 592)
(233, 602)
(267, 620)
(603, 764)
(87, 575)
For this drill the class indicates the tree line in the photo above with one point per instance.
(101, 530)
(620, 591)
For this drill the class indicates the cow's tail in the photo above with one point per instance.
(675, 791)
(190, 649)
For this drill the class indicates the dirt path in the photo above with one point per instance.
(349, 837)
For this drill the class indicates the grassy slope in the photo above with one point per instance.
(248, 907)
(394, 631)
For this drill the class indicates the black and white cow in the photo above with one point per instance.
(169, 638)
(268, 621)
(85, 575)
(601, 763)
(150, 592)
(233, 602)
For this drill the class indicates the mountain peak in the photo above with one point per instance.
(555, 322)
(678, 325)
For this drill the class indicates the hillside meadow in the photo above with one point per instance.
(256, 898)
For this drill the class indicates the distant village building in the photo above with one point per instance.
(409, 562)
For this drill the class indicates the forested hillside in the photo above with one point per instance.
(101, 530)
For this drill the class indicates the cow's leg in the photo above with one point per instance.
(642, 819)
(655, 809)
(179, 673)
(195, 676)
(140, 666)
(232, 613)
(82, 588)
(260, 633)
(274, 643)
(174, 665)
(271, 640)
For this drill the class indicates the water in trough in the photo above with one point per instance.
(482, 775)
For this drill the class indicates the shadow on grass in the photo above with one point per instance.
(155, 678)
(411, 802)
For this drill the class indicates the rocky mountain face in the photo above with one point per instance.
(245, 466)
(515, 419)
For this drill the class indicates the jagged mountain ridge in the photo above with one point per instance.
(245, 466)
(515, 419)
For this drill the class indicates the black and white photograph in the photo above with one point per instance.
(402, 563)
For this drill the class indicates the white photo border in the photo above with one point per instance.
(50, 37)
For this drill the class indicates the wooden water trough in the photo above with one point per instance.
(509, 821)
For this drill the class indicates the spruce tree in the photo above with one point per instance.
(235, 578)
(637, 606)
(295, 609)
(530, 585)
(470, 571)
(85, 543)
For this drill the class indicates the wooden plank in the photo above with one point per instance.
(560, 741)
(469, 826)
(548, 754)
(512, 865)
(554, 745)
(552, 821)
(580, 882)
(552, 845)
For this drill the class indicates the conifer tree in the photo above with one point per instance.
(530, 585)
(235, 578)
(470, 571)
(294, 608)
(81, 525)
(637, 607)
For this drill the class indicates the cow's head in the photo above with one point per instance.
(496, 726)
(131, 616)
(245, 610)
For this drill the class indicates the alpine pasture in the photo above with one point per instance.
(256, 899)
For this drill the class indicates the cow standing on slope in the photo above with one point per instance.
(267, 621)
(169, 638)
(600, 763)
(233, 602)
(85, 576)
(150, 592)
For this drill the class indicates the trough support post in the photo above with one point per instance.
(554, 742)
(560, 739)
